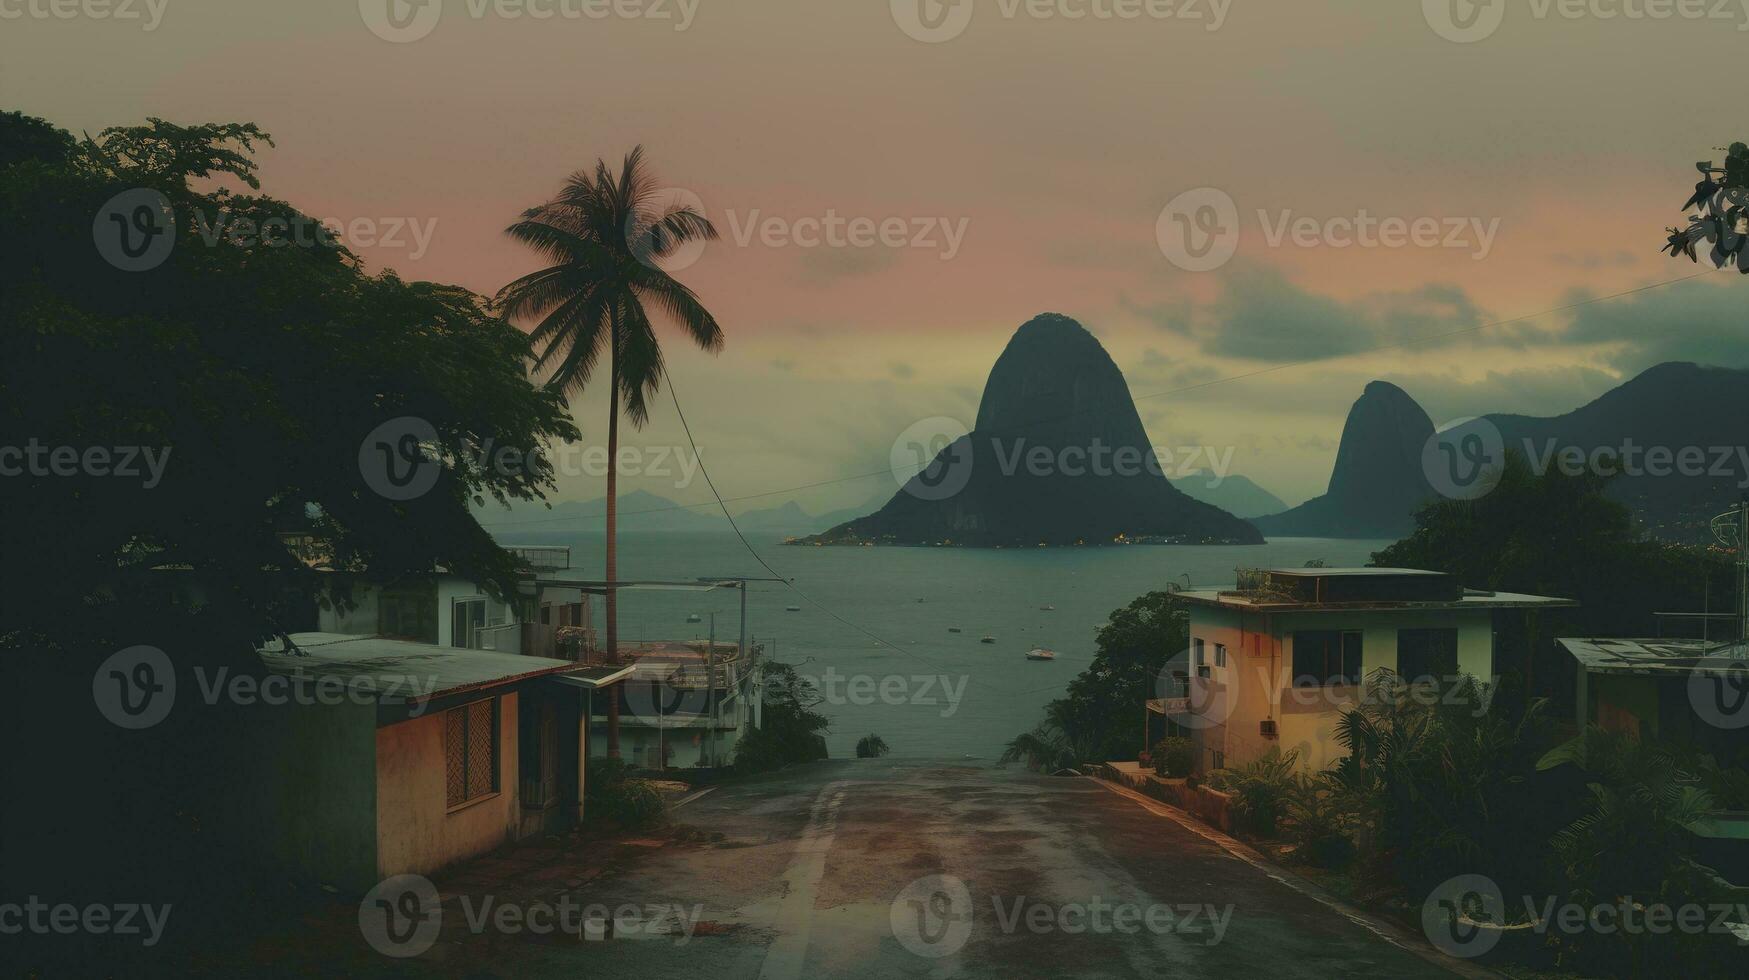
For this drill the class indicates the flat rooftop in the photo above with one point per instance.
(399, 669)
(1352, 589)
(1623, 656)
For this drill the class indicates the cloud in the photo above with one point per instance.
(1691, 321)
(1262, 316)
(825, 266)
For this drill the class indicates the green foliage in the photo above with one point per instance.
(1044, 749)
(790, 730)
(1440, 782)
(1174, 757)
(1262, 790)
(260, 366)
(871, 747)
(1558, 535)
(1100, 717)
(1321, 822)
(613, 796)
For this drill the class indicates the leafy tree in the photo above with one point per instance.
(1558, 535)
(1101, 715)
(1046, 747)
(790, 730)
(606, 236)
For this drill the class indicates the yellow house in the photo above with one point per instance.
(1275, 661)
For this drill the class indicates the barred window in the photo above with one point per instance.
(470, 746)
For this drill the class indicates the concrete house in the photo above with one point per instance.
(1274, 661)
(391, 757)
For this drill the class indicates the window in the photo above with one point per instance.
(1220, 655)
(468, 617)
(1324, 657)
(470, 749)
(1427, 654)
(1198, 647)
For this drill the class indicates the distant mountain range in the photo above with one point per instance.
(643, 511)
(1379, 481)
(1232, 493)
(1057, 457)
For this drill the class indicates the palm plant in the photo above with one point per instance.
(1045, 747)
(605, 236)
(1261, 788)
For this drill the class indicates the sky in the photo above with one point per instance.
(901, 183)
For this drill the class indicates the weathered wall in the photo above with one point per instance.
(416, 831)
(313, 793)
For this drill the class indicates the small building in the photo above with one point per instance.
(1691, 691)
(383, 757)
(1276, 660)
(683, 704)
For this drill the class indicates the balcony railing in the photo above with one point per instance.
(542, 557)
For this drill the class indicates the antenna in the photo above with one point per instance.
(1732, 531)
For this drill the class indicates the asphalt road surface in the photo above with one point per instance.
(884, 869)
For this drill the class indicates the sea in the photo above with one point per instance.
(873, 625)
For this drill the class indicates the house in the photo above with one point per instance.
(452, 611)
(1692, 691)
(1275, 661)
(389, 757)
(670, 715)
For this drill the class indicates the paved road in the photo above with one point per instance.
(855, 869)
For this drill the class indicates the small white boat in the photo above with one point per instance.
(695, 618)
(1047, 609)
(988, 639)
(1041, 654)
(953, 629)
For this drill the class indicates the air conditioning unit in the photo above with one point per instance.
(1267, 726)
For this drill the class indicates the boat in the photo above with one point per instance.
(1041, 654)
(792, 608)
(988, 639)
(953, 629)
(1047, 609)
(695, 618)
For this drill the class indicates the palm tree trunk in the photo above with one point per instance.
(612, 570)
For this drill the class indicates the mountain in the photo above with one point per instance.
(1234, 494)
(1057, 456)
(1644, 428)
(1675, 408)
(639, 510)
(1378, 482)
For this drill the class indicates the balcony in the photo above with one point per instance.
(542, 557)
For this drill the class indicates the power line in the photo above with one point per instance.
(1414, 342)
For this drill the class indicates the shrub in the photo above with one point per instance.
(1319, 824)
(871, 747)
(1261, 790)
(1173, 757)
(613, 796)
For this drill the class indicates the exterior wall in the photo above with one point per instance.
(416, 831)
(360, 621)
(1257, 682)
(448, 591)
(312, 794)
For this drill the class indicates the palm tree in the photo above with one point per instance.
(605, 236)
